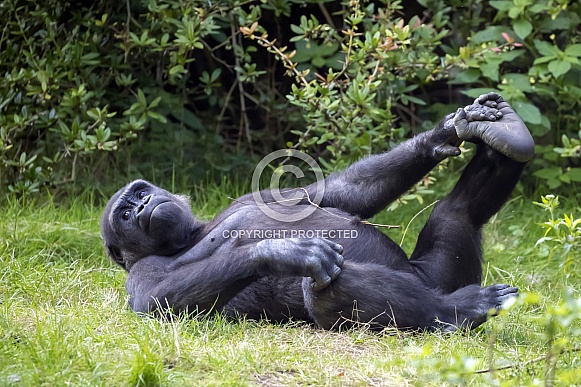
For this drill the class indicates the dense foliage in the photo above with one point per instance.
(154, 87)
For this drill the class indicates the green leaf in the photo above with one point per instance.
(327, 49)
(141, 97)
(559, 67)
(509, 56)
(565, 178)
(519, 81)
(537, 8)
(155, 102)
(476, 92)
(522, 28)
(177, 69)
(215, 74)
(502, 5)
(318, 61)
(548, 173)
(543, 59)
(546, 49)
(514, 12)
(489, 34)
(574, 174)
(297, 30)
(466, 76)
(415, 100)
(553, 183)
(490, 69)
(528, 112)
(157, 116)
(573, 50)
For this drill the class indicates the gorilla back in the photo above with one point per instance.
(331, 268)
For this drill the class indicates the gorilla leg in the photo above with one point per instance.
(448, 252)
(377, 296)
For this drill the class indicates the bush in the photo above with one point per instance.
(153, 88)
(82, 80)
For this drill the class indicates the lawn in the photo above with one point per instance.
(64, 318)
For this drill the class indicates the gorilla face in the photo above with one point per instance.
(142, 219)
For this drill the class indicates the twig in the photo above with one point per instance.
(325, 13)
(214, 57)
(526, 363)
(244, 118)
(308, 197)
(223, 111)
(342, 217)
(257, 102)
(412, 219)
(127, 30)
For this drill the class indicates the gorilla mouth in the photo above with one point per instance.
(147, 220)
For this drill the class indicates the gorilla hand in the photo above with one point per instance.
(446, 135)
(507, 135)
(317, 258)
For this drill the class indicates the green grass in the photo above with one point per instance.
(64, 318)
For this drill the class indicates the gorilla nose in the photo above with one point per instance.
(143, 203)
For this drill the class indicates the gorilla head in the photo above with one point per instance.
(142, 219)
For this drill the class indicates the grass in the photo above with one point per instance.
(64, 318)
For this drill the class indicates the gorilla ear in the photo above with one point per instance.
(115, 255)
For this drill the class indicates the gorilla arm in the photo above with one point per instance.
(368, 186)
(209, 283)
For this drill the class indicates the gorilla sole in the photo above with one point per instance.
(356, 276)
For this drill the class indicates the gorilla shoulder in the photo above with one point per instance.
(142, 219)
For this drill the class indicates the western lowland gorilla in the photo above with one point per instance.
(340, 271)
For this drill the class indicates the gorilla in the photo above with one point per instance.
(332, 268)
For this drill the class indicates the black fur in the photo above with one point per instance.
(177, 262)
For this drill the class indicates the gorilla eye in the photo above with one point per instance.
(126, 215)
(141, 194)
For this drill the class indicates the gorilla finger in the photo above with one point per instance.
(460, 115)
(491, 104)
(480, 113)
(503, 289)
(336, 273)
(510, 291)
(482, 99)
(460, 121)
(320, 284)
(491, 99)
(330, 251)
(335, 246)
(447, 150)
(330, 266)
(331, 255)
(339, 260)
(330, 263)
(493, 95)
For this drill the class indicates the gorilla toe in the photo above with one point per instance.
(498, 294)
(503, 131)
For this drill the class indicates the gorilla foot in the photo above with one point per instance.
(473, 305)
(496, 295)
(492, 299)
(493, 121)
